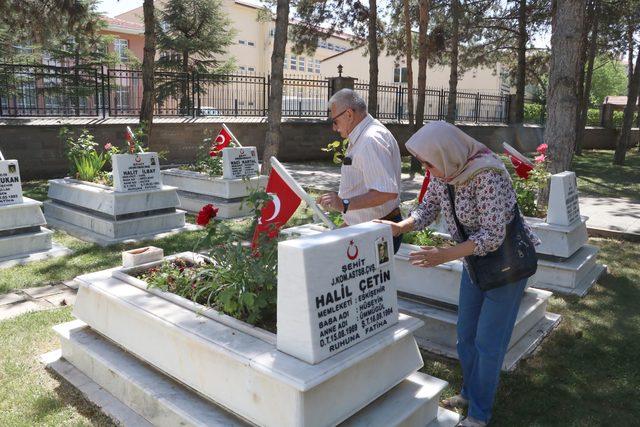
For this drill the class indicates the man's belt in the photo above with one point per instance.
(392, 215)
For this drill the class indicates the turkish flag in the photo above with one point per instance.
(222, 140)
(522, 168)
(425, 185)
(131, 139)
(275, 213)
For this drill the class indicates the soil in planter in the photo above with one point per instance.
(185, 278)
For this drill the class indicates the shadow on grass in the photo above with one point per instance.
(68, 395)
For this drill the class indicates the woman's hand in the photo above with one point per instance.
(428, 256)
(396, 227)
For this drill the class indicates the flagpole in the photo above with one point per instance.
(300, 192)
(232, 135)
(1, 156)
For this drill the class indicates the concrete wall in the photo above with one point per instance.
(41, 155)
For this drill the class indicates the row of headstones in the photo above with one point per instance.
(23, 237)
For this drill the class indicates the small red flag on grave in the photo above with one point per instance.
(521, 164)
(425, 185)
(222, 140)
(131, 139)
(276, 212)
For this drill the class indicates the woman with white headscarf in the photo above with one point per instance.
(484, 202)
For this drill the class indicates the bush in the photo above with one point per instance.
(534, 113)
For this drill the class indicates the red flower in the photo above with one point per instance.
(213, 153)
(206, 214)
(542, 149)
(540, 159)
(108, 146)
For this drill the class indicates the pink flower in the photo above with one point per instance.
(542, 149)
(540, 159)
(108, 146)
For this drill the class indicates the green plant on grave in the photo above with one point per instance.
(85, 162)
(426, 237)
(241, 280)
(209, 156)
(339, 150)
(528, 187)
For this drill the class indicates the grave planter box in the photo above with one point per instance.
(99, 214)
(237, 366)
(23, 237)
(197, 189)
(431, 294)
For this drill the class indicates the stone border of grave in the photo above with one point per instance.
(197, 189)
(99, 214)
(239, 371)
(40, 298)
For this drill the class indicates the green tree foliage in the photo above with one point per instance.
(609, 79)
(192, 35)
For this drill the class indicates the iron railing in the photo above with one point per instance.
(49, 90)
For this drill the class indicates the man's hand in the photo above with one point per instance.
(330, 201)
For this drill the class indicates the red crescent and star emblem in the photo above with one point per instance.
(349, 255)
(219, 139)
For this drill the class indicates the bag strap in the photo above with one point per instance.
(452, 197)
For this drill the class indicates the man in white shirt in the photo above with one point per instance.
(370, 180)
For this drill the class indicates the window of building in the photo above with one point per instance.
(301, 61)
(294, 62)
(310, 64)
(272, 32)
(400, 75)
(122, 98)
(317, 66)
(120, 46)
(243, 68)
(251, 43)
(286, 61)
(251, 69)
(330, 46)
(242, 42)
(322, 44)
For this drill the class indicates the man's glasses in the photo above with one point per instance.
(333, 120)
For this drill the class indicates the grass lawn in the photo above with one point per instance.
(597, 177)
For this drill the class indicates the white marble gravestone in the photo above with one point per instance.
(23, 237)
(136, 172)
(564, 208)
(335, 290)
(239, 162)
(10, 186)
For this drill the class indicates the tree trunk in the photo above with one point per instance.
(562, 101)
(586, 93)
(625, 132)
(184, 84)
(581, 65)
(274, 133)
(453, 75)
(409, 55)
(373, 58)
(148, 65)
(522, 61)
(422, 61)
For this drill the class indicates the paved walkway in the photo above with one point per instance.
(608, 216)
(37, 299)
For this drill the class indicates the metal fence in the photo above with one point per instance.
(48, 90)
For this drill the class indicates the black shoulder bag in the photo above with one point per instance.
(514, 260)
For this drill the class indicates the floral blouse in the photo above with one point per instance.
(484, 205)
